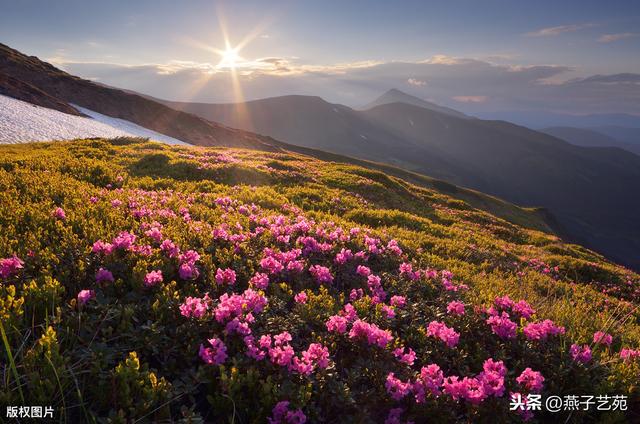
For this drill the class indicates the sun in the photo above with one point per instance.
(230, 58)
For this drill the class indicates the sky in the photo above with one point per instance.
(572, 56)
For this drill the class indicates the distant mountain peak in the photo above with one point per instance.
(394, 95)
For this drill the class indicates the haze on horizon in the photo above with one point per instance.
(577, 57)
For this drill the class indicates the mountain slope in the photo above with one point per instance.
(594, 194)
(397, 96)
(162, 284)
(589, 138)
(68, 89)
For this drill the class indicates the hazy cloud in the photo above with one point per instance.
(557, 30)
(608, 38)
(472, 85)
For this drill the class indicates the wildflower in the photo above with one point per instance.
(629, 354)
(406, 358)
(225, 276)
(152, 278)
(502, 326)
(104, 275)
(316, 356)
(374, 334)
(600, 337)
(337, 323)
(399, 301)
(439, 330)
(168, 247)
(542, 330)
(195, 307)
(321, 274)
(59, 213)
(271, 265)
(85, 295)
(455, 308)
(363, 271)
(523, 309)
(9, 266)
(282, 415)
(406, 270)
(101, 247)
(301, 297)
(430, 380)
(216, 354)
(531, 380)
(397, 388)
(124, 240)
(580, 353)
(259, 281)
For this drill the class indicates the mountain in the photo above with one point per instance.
(594, 194)
(397, 96)
(52, 87)
(155, 283)
(628, 135)
(543, 119)
(589, 138)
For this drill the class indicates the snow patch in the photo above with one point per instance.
(22, 122)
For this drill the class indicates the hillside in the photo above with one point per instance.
(589, 138)
(155, 283)
(594, 195)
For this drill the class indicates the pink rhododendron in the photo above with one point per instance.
(371, 332)
(300, 298)
(153, 278)
(216, 354)
(225, 276)
(195, 307)
(439, 330)
(542, 330)
(580, 353)
(429, 382)
(455, 308)
(281, 414)
(259, 281)
(398, 301)
(321, 274)
(59, 213)
(397, 388)
(9, 266)
(531, 380)
(407, 358)
(104, 275)
(629, 354)
(600, 337)
(337, 323)
(85, 295)
(502, 326)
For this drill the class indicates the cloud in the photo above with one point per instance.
(608, 38)
(470, 99)
(416, 82)
(557, 30)
(469, 84)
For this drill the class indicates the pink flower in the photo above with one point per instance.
(9, 266)
(101, 247)
(397, 388)
(497, 367)
(394, 416)
(444, 333)
(259, 281)
(502, 326)
(170, 248)
(406, 270)
(195, 307)
(85, 295)
(542, 330)
(600, 337)
(216, 354)
(580, 353)
(300, 297)
(282, 415)
(59, 213)
(363, 271)
(316, 356)
(455, 308)
(399, 301)
(321, 274)
(371, 332)
(337, 324)
(523, 309)
(406, 358)
(430, 380)
(152, 278)
(531, 380)
(225, 276)
(104, 275)
(124, 240)
(629, 354)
